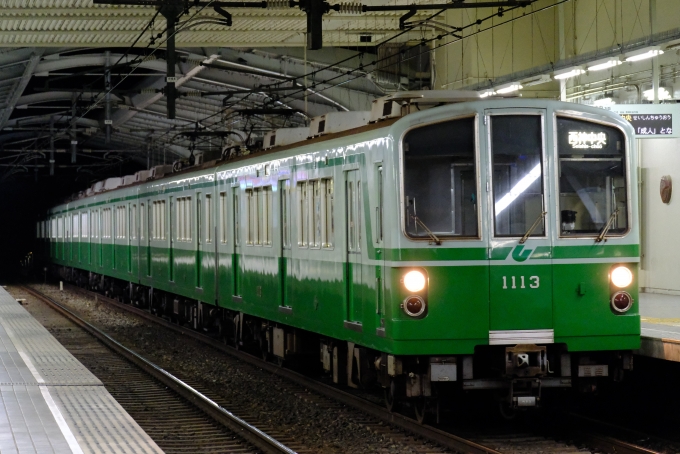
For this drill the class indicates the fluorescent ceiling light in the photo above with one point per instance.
(521, 186)
(604, 64)
(663, 94)
(603, 102)
(542, 79)
(509, 88)
(486, 93)
(643, 54)
(567, 73)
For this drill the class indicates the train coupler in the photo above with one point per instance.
(526, 360)
(525, 392)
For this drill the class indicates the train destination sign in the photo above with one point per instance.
(587, 140)
(650, 120)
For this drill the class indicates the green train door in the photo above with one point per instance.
(520, 245)
(353, 230)
(286, 249)
(235, 267)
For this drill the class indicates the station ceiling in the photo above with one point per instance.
(82, 84)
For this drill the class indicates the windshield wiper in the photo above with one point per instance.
(432, 236)
(603, 233)
(533, 226)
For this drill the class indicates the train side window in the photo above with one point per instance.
(261, 221)
(379, 208)
(76, 225)
(53, 229)
(285, 213)
(592, 177)
(133, 222)
(302, 213)
(315, 211)
(327, 217)
(251, 217)
(208, 218)
(440, 180)
(84, 231)
(223, 217)
(142, 218)
(266, 218)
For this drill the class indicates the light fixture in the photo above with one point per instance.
(604, 64)
(487, 93)
(569, 72)
(508, 88)
(663, 94)
(603, 102)
(642, 54)
(621, 276)
(536, 80)
(414, 281)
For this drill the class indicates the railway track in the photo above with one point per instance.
(173, 413)
(394, 426)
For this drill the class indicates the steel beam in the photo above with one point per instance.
(19, 87)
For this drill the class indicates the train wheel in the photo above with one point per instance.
(420, 407)
(390, 399)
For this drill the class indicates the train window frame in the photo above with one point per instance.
(467, 114)
(542, 114)
(596, 119)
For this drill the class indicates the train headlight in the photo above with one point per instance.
(621, 302)
(414, 306)
(621, 277)
(414, 281)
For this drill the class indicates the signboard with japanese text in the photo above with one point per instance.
(651, 120)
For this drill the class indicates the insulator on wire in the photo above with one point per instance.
(278, 4)
(350, 8)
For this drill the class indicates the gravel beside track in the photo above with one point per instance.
(290, 413)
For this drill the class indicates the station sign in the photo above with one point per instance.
(651, 120)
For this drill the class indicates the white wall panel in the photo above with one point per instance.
(660, 239)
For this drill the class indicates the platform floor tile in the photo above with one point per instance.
(50, 402)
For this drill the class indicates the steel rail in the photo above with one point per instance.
(248, 432)
(440, 437)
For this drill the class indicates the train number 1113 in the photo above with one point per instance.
(519, 282)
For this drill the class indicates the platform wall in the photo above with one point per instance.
(660, 246)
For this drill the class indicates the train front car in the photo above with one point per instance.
(514, 267)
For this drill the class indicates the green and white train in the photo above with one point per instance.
(479, 244)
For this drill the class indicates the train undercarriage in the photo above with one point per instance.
(519, 376)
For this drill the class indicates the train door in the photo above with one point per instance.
(378, 238)
(236, 271)
(286, 249)
(147, 237)
(171, 239)
(199, 241)
(520, 243)
(353, 230)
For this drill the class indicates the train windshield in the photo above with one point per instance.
(592, 176)
(440, 180)
(517, 148)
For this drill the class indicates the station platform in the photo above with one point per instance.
(49, 401)
(660, 317)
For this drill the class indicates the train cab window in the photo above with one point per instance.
(517, 154)
(440, 180)
(592, 176)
